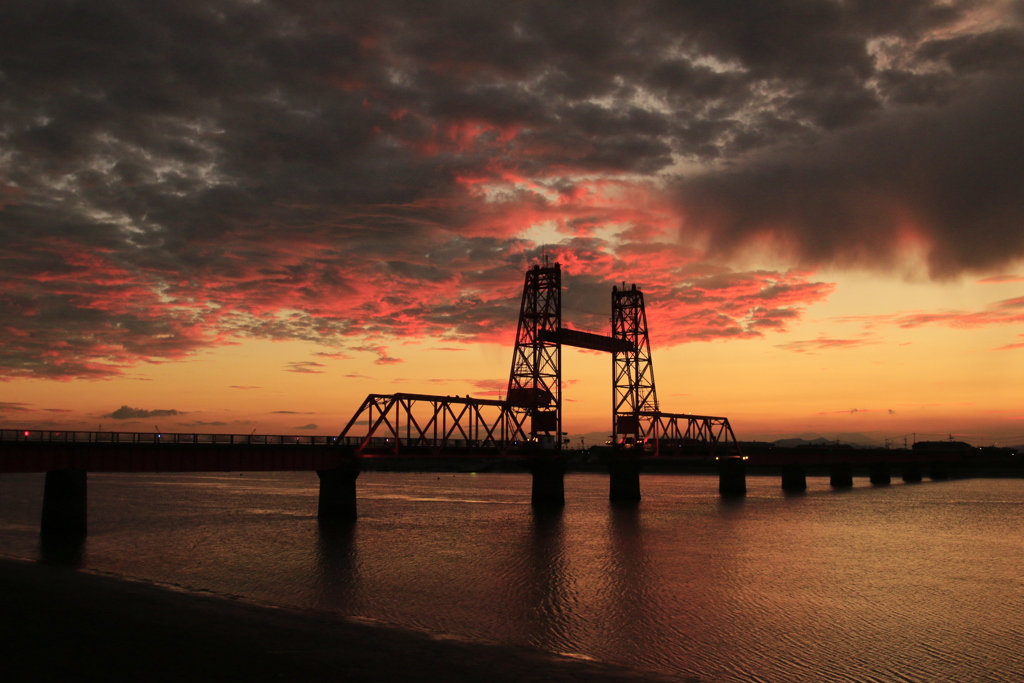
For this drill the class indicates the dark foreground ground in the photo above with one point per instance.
(58, 624)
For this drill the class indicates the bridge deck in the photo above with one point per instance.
(46, 451)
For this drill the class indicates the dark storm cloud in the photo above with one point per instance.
(127, 413)
(176, 174)
(948, 183)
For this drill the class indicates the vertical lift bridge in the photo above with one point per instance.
(528, 422)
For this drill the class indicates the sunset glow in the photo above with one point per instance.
(251, 218)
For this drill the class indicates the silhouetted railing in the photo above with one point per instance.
(172, 438)
(386, 443)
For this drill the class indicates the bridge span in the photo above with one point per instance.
(525, 427)
(66, 458)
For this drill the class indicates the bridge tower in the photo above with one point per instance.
(535, 382)
(633, 391)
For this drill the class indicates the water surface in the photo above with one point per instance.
(907, 582)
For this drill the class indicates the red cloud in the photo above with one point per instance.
(1005, 312)
(382, 354)
(85, 316)
(393, 182)
(1016, 345)
(731, 305)
(95, 313)
(120, 317)
(998, 279)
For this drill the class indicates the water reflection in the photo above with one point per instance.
(907, 583)
(337, 566)
(64, 550)
(544, 596)
(731, 503)
(631, 609)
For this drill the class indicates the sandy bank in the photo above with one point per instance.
(58, 624)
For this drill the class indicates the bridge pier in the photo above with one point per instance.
(732, 477)
(938, 471)
(880, 473)
(624, 480)
(794, 478)
(911, 472)
(548, 482)
(338, 493)
(840, 475)
(64, 504)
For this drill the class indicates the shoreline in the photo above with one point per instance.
(63, 624)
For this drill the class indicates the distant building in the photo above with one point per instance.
(958, 446)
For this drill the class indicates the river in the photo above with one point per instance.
(910, 582)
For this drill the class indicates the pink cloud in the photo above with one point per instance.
(382, 354)
(1015, 345)
(999, 279)
(304, 366)
(1005, 312)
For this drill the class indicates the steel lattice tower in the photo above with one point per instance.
(535, 382)
(633, 389)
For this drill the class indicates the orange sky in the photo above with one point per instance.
(207, 229)
(848, 367)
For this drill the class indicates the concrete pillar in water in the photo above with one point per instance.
(840, 475)
(911, 472)
(64, 504)
(338, 493)
(794, 478)
(938, 471)
(732, 476)
(624, 480)
(548, 481)
(880, 473)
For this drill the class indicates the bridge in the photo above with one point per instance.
(527, 424)
(525, 427)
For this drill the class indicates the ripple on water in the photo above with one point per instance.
(912, 583)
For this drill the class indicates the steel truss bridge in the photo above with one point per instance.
(528, 422)
(525, 426)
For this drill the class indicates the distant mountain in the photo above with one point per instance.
(793, 443)
(854, 439)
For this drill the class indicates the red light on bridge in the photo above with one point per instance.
(26, 433)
